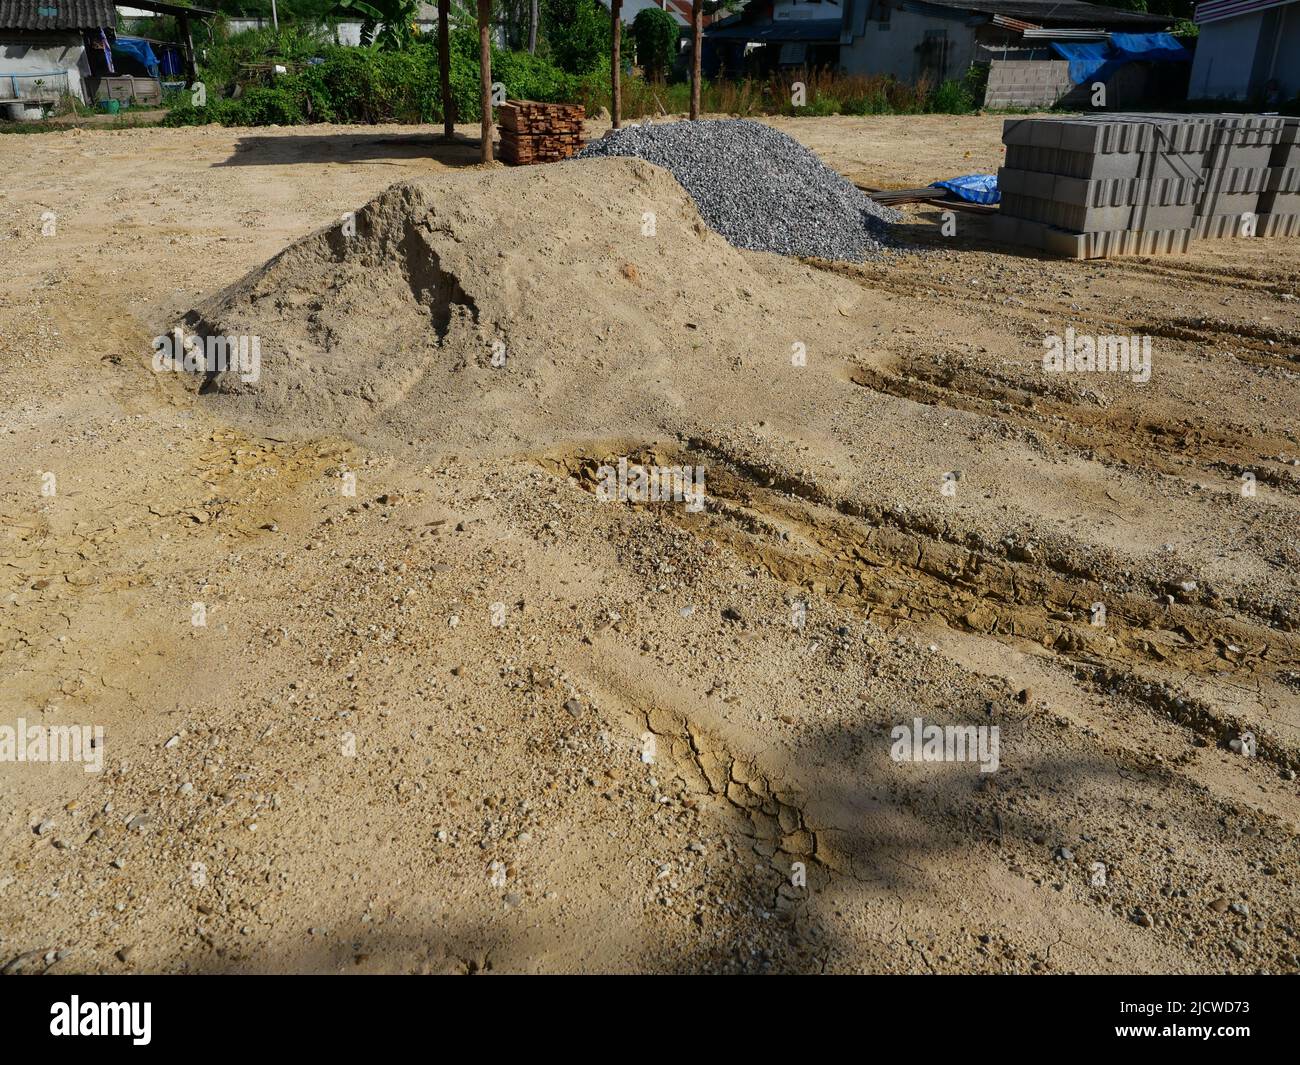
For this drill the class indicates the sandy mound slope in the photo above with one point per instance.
(613, 304)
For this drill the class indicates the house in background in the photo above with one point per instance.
(1247, 50)
(938, 40)
(767, 35)
(55, 48)
(679, 9)
(44, 43)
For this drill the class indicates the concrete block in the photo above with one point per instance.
(1279, 225)
(1171, 216)
(1221, 227)
(1057, 241)
(1278, 203)
(1283, 179)
(1115, 192)
(1026, 182)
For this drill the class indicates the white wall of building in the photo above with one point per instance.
(788, 10)
(57, 58)
(1224, 52)
(1233, 53)
(891, 48)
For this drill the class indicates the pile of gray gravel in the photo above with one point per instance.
(759, 188)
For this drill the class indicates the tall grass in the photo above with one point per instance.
(824, 93)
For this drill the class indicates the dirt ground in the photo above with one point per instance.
(470, 719)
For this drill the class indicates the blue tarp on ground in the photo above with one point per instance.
(973, 188)
(1098, 60)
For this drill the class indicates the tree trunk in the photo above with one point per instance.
(532, 28)
(444, 69)
(697, 42)
(616, 66)
(485, 79)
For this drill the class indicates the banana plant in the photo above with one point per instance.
(385, 23)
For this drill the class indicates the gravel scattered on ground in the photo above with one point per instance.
(759, 188)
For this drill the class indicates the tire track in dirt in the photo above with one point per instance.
(1253, 343)
(901, 569)
(1164, 444)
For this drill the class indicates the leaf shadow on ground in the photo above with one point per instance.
(387, 149)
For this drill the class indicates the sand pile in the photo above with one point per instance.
(513, 307)
(759, 188)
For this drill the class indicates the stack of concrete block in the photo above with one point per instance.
(1279, 204)
(1143, 184)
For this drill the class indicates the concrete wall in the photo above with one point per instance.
(1027, 82)
(58, 58)
(1287, 68)
(892, 47)
(1236, 57)
(347, 32)
(1224, 51)
(1044, 82)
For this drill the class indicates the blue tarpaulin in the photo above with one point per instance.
(172, 61)
(1086, 58)
(138, 50)
(1098, 60)
(1153, 47)
(973, 188)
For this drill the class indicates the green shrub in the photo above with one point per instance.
(577, 33)
(656, 35)
(256, 107)
(951, 98)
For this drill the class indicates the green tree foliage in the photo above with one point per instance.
(577, 34)
(288, 11)
(656, 35)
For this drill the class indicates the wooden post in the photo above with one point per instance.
(444, 69)
(697, 42)
(615, 69)
(485, 78)
(191, 71)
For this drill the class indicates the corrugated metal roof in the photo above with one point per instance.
(1014, 23)
(1218, 10)
(806, 30)
(57, 14)
(1056, 12)
(1065, 34)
